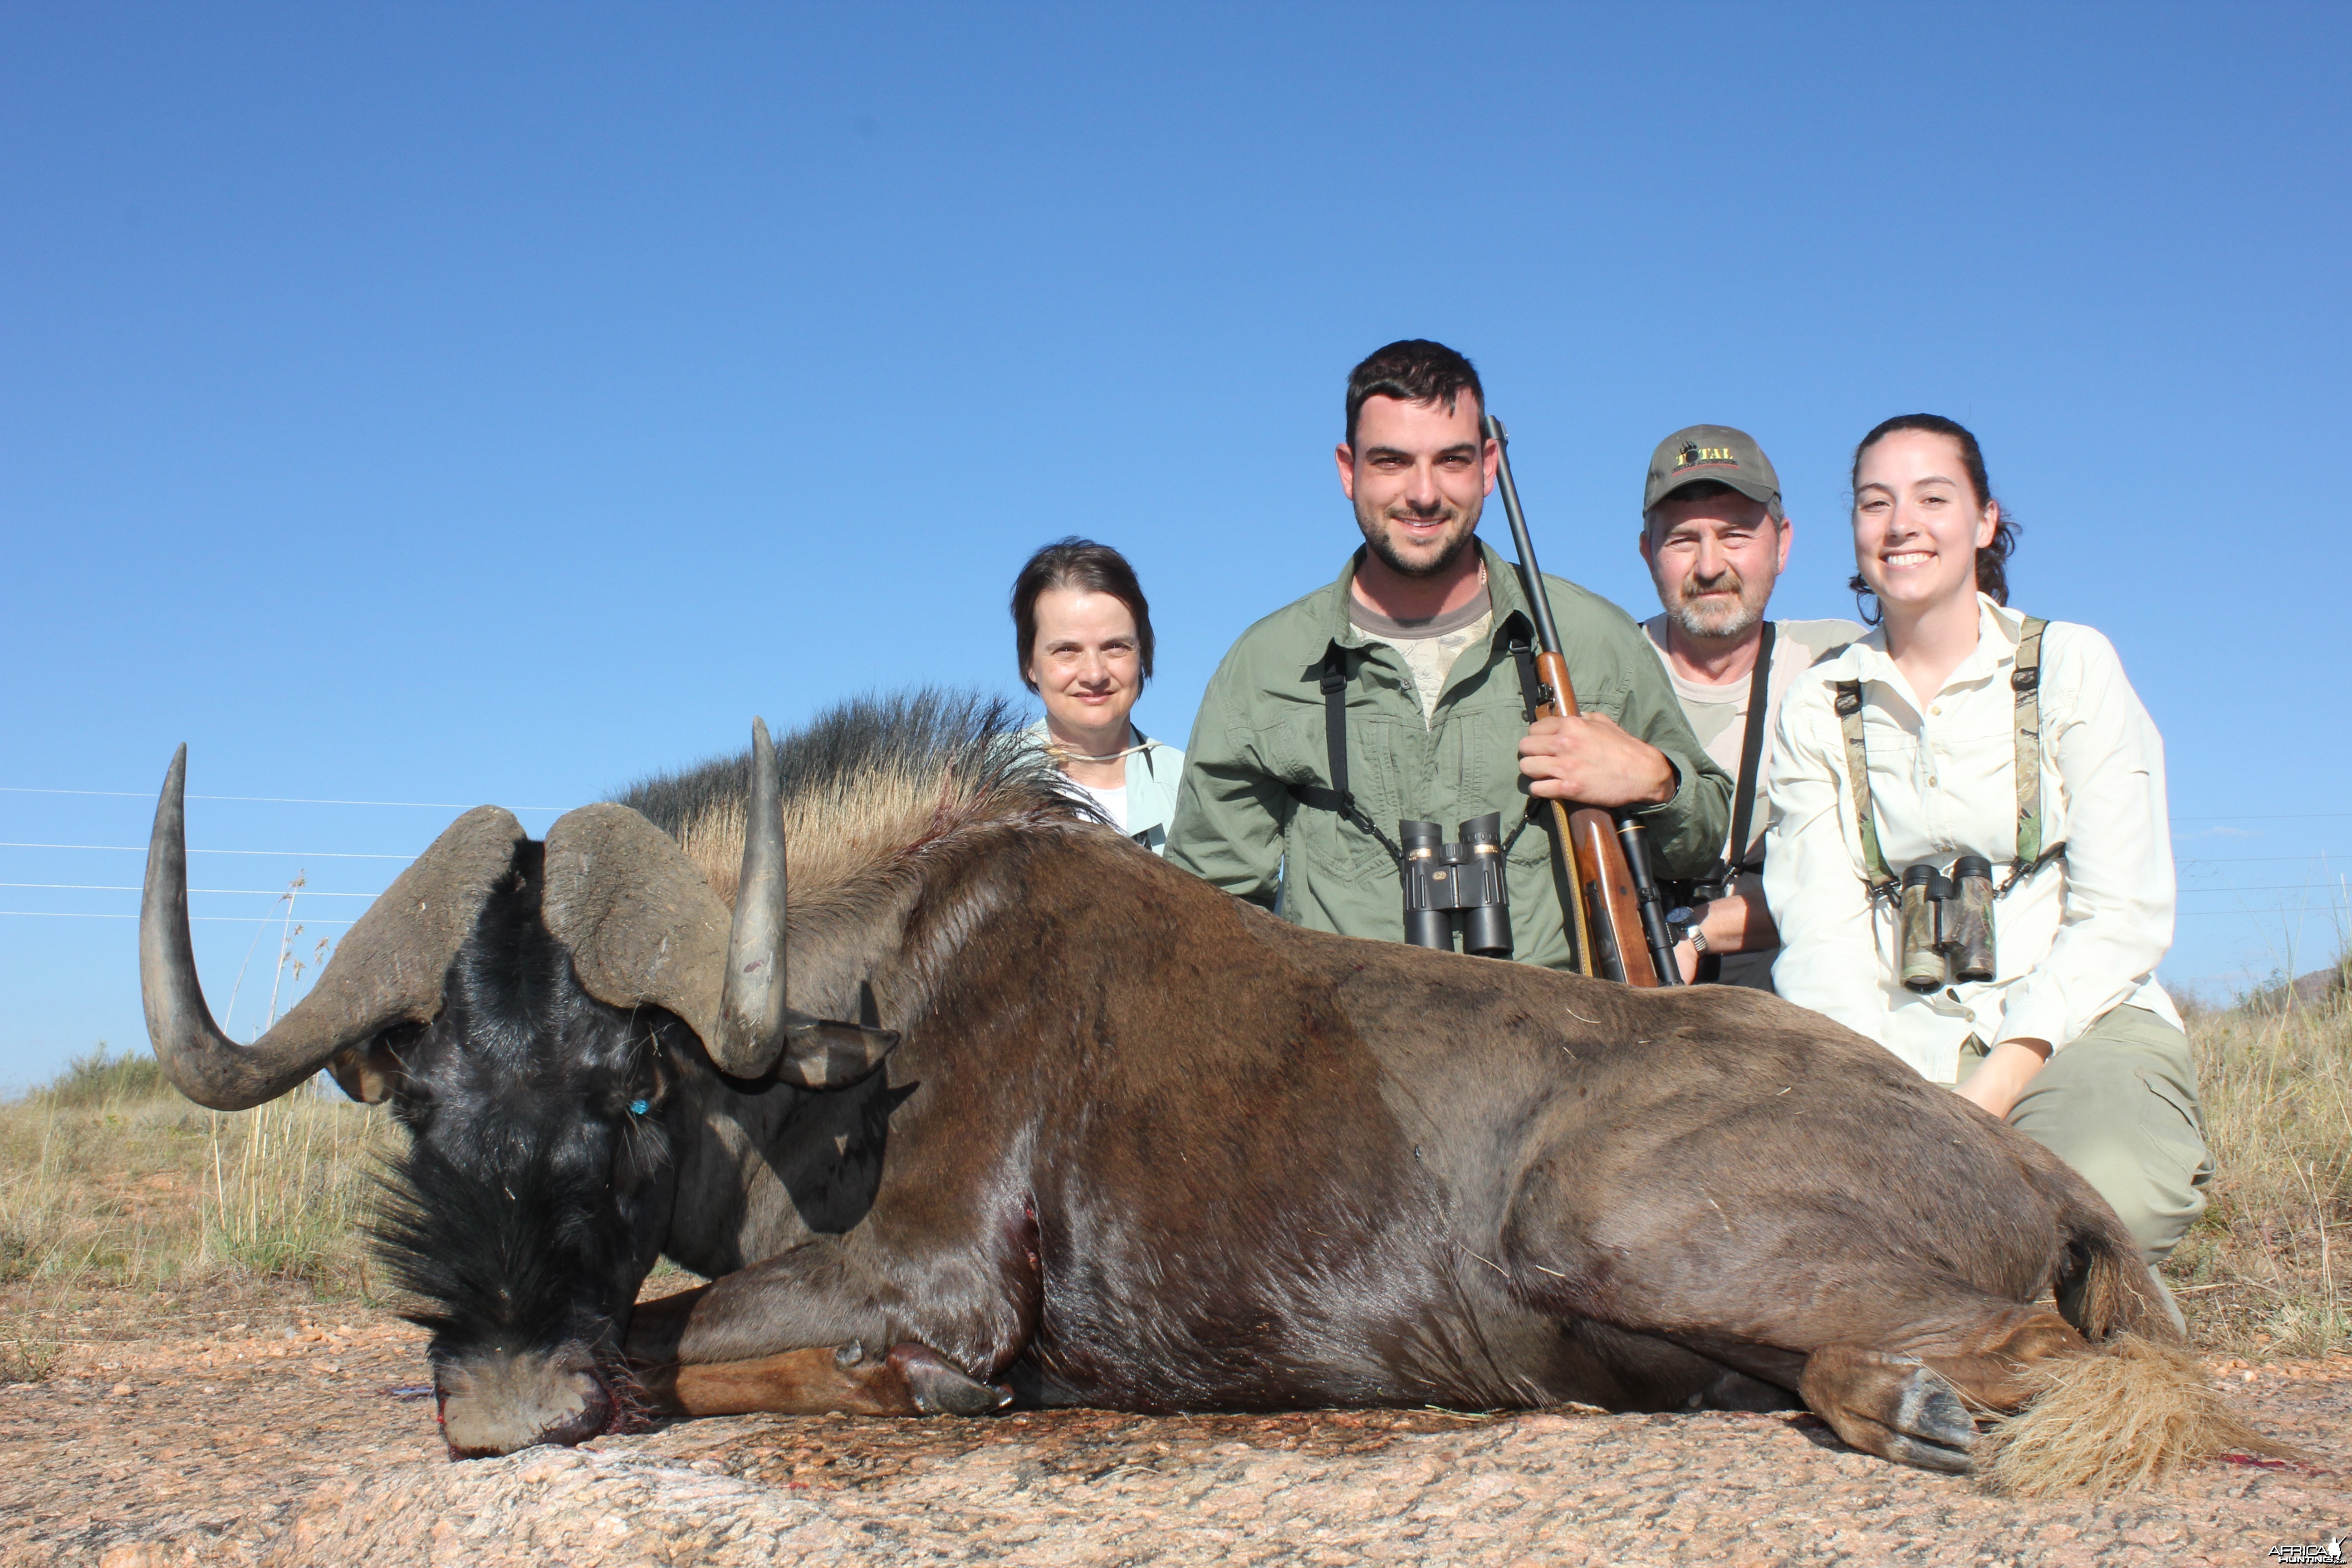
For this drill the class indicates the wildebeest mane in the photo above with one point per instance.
(865, 785)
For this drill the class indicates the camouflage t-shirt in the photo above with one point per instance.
(1718, 714)
(1429, 646)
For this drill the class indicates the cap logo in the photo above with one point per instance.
(1693, 456)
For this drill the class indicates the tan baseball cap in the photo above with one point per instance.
(1715, 452)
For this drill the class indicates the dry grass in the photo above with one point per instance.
(2264, 1273)
(115, 1190)
(108, 1181)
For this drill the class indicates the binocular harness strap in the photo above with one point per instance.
(2026, 682)
(1332, 675)
(2029, 857)
(1857, 772)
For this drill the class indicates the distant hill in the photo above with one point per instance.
(2320, 984)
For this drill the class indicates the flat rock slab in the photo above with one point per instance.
(253, 1447)
(1089, 1488)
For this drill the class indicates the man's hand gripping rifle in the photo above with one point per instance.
(1615, 910)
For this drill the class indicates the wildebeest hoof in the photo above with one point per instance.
(849, 1355)
(1891, 1404)
(943, 1388)
(1932, 1428)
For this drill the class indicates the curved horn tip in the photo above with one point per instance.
(175, 777)
(752, 1009)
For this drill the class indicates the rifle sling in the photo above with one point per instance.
(1519, 640)
(1751, 757)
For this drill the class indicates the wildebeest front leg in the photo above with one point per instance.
(911, 1380)
(794, 1335)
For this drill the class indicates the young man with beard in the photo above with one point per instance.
(1716, 541)
(1416, 643)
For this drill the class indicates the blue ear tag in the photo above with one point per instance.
(639, 1107)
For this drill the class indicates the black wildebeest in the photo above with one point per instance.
(1138, 1145)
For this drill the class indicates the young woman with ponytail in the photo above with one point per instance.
(2060, 1026)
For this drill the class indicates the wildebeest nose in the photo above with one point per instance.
(498, 1404)
(595, 1410)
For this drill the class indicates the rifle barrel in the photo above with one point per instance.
(1538, 602)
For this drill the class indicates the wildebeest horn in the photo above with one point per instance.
(643, 926)
(751, 1003)
(387, 969)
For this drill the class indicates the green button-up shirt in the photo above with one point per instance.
(1261, 729)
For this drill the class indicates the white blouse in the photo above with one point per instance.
(2081, 937)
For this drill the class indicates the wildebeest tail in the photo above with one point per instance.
(2132, 1414)
(2137, 1410)
(2104, 1289)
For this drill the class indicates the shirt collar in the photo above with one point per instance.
(1043, 736)
(1503, 592)
(1998, 631)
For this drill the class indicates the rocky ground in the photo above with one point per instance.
(267, 1429)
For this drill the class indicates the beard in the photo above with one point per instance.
(1701, 614)
(1376, 538)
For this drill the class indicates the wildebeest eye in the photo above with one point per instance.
(639, 1106)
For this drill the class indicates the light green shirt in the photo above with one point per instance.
(1261, 730)
(1153, 769)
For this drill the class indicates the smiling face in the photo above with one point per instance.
(1918, 522)
(1418, 475)
(1088, 661)
(1715, 558)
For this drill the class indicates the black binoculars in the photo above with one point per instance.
(1947, 923)
(1444, 882)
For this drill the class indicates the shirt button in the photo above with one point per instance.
(1931, 782)
(1937, 711)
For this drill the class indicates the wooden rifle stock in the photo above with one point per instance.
(1605, 859)
(1609, 942)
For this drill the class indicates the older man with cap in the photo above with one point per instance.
(1716, 539)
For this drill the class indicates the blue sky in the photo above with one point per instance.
(447, 405)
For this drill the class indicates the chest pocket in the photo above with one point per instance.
(1986, 727)
(1320, 833)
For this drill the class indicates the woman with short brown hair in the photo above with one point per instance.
(1083, 630)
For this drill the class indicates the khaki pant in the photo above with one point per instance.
(2119, 1104)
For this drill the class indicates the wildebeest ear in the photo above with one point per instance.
(367, 1071)
(822, 1053)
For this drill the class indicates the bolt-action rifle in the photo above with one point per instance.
(1615, 909)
